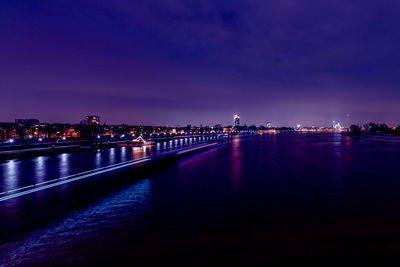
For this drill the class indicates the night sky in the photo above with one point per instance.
(198, 62)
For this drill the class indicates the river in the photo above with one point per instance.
(272, 198)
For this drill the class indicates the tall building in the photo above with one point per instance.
(236, 120)
(92, 120)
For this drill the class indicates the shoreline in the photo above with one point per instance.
(35, 150)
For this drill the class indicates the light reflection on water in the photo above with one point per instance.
(11, 174)
(123, 154)
(26, 172)
(112, 155)
(281, 179)
(64, 166)
(98, 159)
(40, 169)
(236, 161)
(144, 148)
(99, 219)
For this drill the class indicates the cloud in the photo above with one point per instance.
(211, 56)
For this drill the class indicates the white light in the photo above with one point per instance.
(40, 139)
(133, 135)
(64, 138)
(71, 178)
(123, 136)
(11, 140)
(112, 136)
(98, 136)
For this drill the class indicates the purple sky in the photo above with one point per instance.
(198, 62)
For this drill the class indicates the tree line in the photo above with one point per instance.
(375, 128)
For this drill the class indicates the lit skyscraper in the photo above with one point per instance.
(236, 120)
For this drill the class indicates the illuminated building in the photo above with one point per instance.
(92, 120)
(236, 120)
(337, 127)
(269, 125)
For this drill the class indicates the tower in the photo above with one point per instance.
(236, 120)
(348, 119)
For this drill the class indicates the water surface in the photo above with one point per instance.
(263, 198)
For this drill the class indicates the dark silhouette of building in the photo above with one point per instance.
(26, 121)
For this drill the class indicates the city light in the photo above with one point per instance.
(236, 120)
(64, 138)
(11, 140)
(40, 139)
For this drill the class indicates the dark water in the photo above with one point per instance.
(279, 198)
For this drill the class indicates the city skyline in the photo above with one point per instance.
(158, 63)
(236, 118)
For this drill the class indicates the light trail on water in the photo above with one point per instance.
(70, 178)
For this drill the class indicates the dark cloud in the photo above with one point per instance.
(178, 62)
